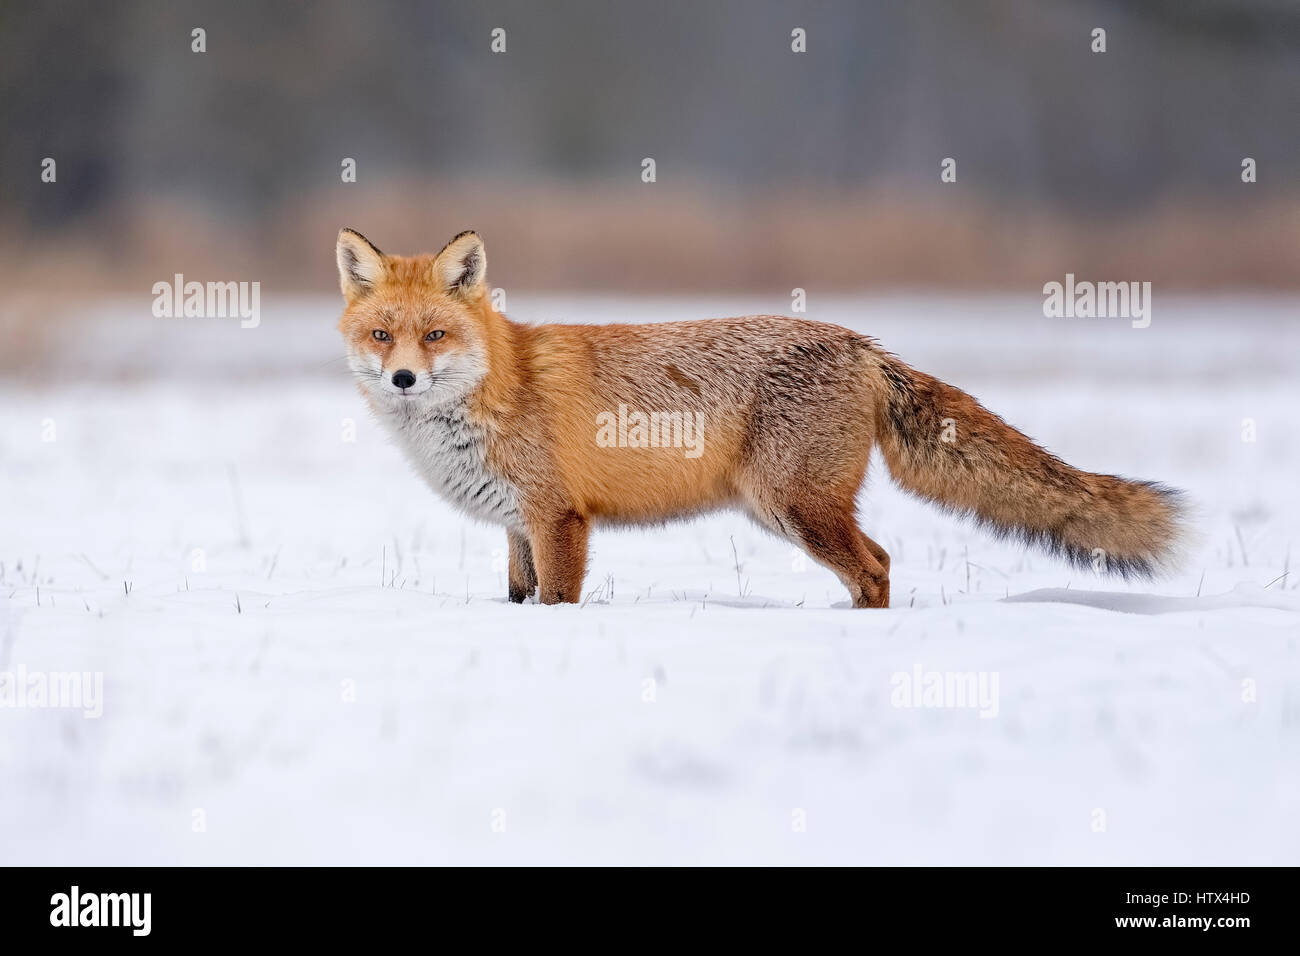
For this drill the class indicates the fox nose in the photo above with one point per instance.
(403, 378)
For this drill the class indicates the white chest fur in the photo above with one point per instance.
(449, 451)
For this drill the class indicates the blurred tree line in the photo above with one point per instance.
(585, 90)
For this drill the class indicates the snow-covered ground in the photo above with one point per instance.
(308, 658)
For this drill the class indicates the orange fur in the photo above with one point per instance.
(504, 420)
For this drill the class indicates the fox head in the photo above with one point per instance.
(414, 325)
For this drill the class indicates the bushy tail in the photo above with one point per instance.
(942, 445)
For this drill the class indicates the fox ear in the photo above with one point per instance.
(361, 265)
(462, 264)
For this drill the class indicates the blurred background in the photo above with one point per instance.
(774, 169)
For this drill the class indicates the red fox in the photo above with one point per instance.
(550, 430)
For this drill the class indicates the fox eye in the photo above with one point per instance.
(381, 336)
(434, 336)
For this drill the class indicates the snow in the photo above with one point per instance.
(302, 644)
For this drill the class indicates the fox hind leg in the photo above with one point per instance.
(877, 552)
(831, 537)
(810, 501)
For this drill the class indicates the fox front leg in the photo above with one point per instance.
(560, 551)
(523, 573)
